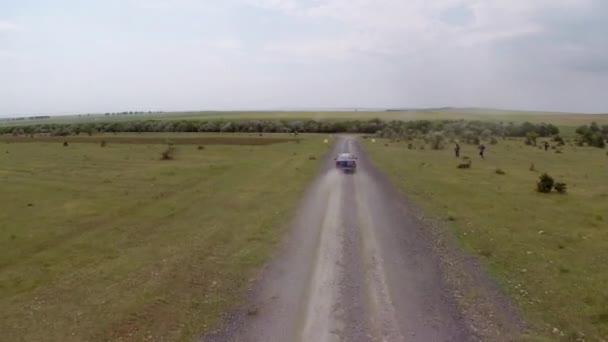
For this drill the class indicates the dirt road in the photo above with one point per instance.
(356, 266)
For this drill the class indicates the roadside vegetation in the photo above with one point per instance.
(563, 120)
(109, 242)
(548, 249)
(388, 129)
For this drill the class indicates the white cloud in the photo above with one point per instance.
(229, 44)
(384, 23)
(188, 54)
(7, 26)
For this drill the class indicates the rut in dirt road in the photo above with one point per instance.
(356, 266)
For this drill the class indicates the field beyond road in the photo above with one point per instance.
(112, 243)
(549, 251)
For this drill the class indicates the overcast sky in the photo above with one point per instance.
(78, 56)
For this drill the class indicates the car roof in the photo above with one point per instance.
(346, 156)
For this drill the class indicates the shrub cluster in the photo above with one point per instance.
(546, 183)
(592, 135)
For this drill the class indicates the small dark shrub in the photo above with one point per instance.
(558, 151)
(559, 140)
(410, 146)
(493, 141)
(102, 143)
(485, 253)
(167, 154)
(545, 183)
(312, 158)
(466, 165)
(500, 172)
(561, 187)
(200, 147)
(65, 144)
(532, 168)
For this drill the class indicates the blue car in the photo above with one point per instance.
(346, 162)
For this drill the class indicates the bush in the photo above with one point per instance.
(103, 143)
(560, 187)
(493, 141)
(592, 135)
(410, 146)
(532, 168)
(167, 154)
(200, 147)
(465, 165)
(531, 138)
(65, 144)
(559, 140)
(500, 172)
(545, 183)
(597, 140)
(436, 140)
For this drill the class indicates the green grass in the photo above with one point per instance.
(549, 251)
(114, 244)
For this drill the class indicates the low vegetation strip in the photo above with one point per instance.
(114, 243)
(372, 126)
(548, 250)
(176, 140)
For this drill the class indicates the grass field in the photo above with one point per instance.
(550, 251)
(114, 243)
(157, 138)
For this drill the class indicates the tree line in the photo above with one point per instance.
(388, 129)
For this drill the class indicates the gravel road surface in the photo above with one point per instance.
(356, 266)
